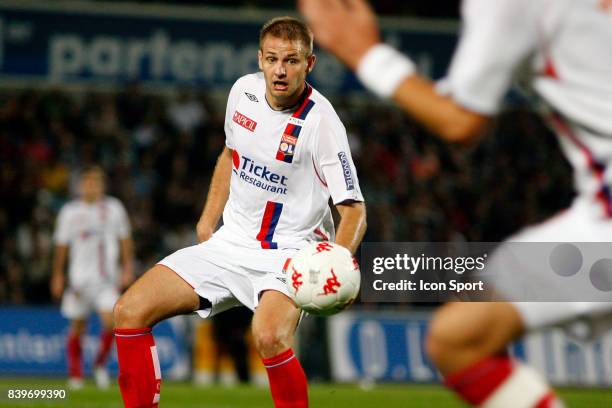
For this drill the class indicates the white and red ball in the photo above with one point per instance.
(323, 278)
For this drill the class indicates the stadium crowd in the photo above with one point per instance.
(159, 152)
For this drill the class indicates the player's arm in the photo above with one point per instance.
(335, 168)
(479, 76)
(352, 225)
(416, 95)
(57, 275)
(218, 193)
(126, 246)
(61, 237)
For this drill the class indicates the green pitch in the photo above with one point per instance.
(182, 395)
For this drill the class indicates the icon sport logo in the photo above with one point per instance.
(258, 175)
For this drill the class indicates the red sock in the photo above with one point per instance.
(75, 353)
(288, 382)
(139, 372)
(499, 381)
(550, 400)
(106, 342)
(476, 382)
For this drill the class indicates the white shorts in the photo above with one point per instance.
(576, 224)
(228, 276)
(80, 303)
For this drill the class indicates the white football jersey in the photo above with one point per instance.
(92, 232)
(564, 50)
(286, 166)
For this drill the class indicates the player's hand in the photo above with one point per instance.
(57, 286)
(204, 231)
(346, 28)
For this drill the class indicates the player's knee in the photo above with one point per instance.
(449, 335)
(270, 342)
(439, 344)
(77, 327)
(128, 314)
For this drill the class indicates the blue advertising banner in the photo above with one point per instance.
(386, 346)
(33, 342)
(105, 43)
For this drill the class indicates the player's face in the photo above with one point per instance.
(285, 65)
(92, 186)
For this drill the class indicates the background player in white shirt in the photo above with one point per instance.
(564, 48)
(91, 233)
(286, 155)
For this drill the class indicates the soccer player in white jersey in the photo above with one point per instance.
(564, 48)
(91, 233)
(286, 154)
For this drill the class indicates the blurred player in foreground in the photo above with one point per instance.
(91, 232)
(286, 153)
(565, 50)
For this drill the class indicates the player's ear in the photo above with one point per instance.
(260, 59)
(310, 63)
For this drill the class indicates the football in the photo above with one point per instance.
(323, 278)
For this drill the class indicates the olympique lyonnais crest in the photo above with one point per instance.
(287, 145)
(288, 142)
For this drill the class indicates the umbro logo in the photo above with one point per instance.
(252, 97)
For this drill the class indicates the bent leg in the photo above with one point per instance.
(461, 334)
(75, 351)
(158, 294)
(468, 341)
(104, 347)
(274, 325)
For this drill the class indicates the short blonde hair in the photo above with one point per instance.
(288, 28)
(92, 170)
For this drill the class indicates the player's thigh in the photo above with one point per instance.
(159, 294)
(78, 326)
(105, 298)
(276, 317)
(75, 305)
(464, 332)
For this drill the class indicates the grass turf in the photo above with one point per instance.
(185, 395)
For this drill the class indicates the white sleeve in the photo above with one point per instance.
(123, 221)
(232, 100)
(63, 232)
(497, 36)
(334, 163)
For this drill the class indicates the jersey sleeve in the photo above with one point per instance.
(232, 100)
(123, 221)
(496, 38)
(63, 232)
(334, 164)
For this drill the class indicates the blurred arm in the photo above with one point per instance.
(218, 194)
(349, 29)
(127, 261)
(57, 275)
(440, 114)
(352, 224)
